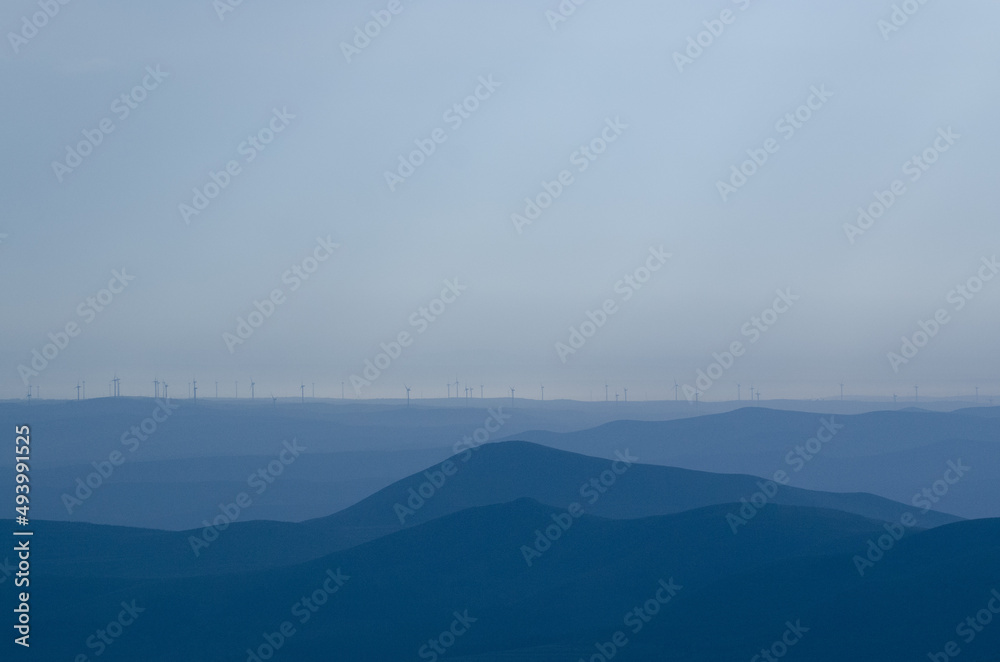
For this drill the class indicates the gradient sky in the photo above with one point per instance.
(323, 176)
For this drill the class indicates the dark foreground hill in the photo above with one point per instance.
(701, 591)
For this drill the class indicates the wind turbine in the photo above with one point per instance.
(78, 391)
(84, 389)
(303, 387)
(195, 389)
(543, 392)
(480, 391)
(916, 393)
(164, 389)
(675, 390)
(605, 390)
(156, 388)
(626, 393)
(407, 395)
(274, 400)
(252, 384)
(511, 396)
(616, 396)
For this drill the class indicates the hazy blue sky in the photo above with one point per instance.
(655, 186)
